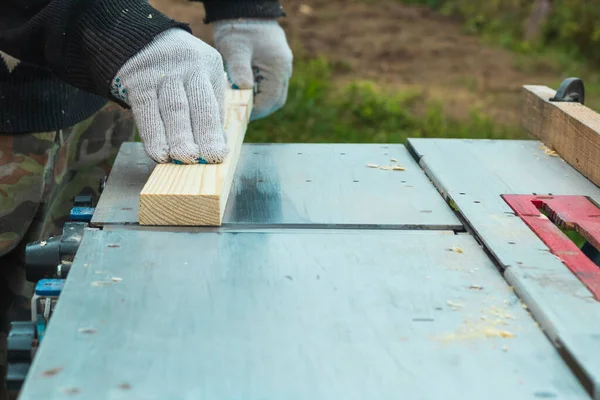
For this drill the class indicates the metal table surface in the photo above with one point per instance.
(295, 314)
(300, 185)
(473, 174)
(329, 279)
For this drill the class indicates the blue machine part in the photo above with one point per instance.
(82, 213)
(49, 287)
(40, 325)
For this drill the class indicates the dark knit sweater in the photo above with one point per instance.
(58, 57)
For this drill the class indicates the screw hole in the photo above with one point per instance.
(343, 154)
(308, 180)
(355, 181)
(477, 201)
(511, 243)
(462, 194)
(113, 245)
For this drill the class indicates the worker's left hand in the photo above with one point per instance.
(255, 51)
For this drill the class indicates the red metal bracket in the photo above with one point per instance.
(569, 212)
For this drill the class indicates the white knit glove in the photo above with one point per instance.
(256, 52)
(175, 88)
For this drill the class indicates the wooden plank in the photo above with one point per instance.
(473, 174)
(317, 315)
(197, 194)
(300, 184)
(571, 129)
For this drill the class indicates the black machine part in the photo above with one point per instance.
(15, 375)
(20, 341)
(20, 352)
(43, 258)
(570, 90)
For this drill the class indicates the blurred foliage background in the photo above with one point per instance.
(523, 25)
(385, 70)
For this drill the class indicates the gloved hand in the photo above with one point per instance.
(175, 87)
(256, 51)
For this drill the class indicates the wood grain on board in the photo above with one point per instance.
(570, 129)
(196, 195)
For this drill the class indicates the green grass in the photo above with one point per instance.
(572, 234)
(318, 110)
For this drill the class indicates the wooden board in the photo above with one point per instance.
(302, 185)
(197, 194)
(473, 174)
(315, 314)
(571, 129)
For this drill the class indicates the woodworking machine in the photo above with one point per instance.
(330, 277)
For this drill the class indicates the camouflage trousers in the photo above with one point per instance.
(40, 173)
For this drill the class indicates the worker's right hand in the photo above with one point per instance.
(175, 88)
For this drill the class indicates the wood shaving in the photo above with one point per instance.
(43, 243)
(499, 312)
(476, 287)
(394, 160)
(115, 279)
(305, 9)
(101, 283)
(456, 249)
(392, 168)
(453, 305)
(372, 165)
(548, 151)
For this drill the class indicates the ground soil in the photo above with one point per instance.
(399, 47)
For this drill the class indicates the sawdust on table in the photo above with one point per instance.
(392, 168)
(548, 151)
(453, 305)
(493, 322)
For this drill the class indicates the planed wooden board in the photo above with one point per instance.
(570, 129)
(197, 194)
